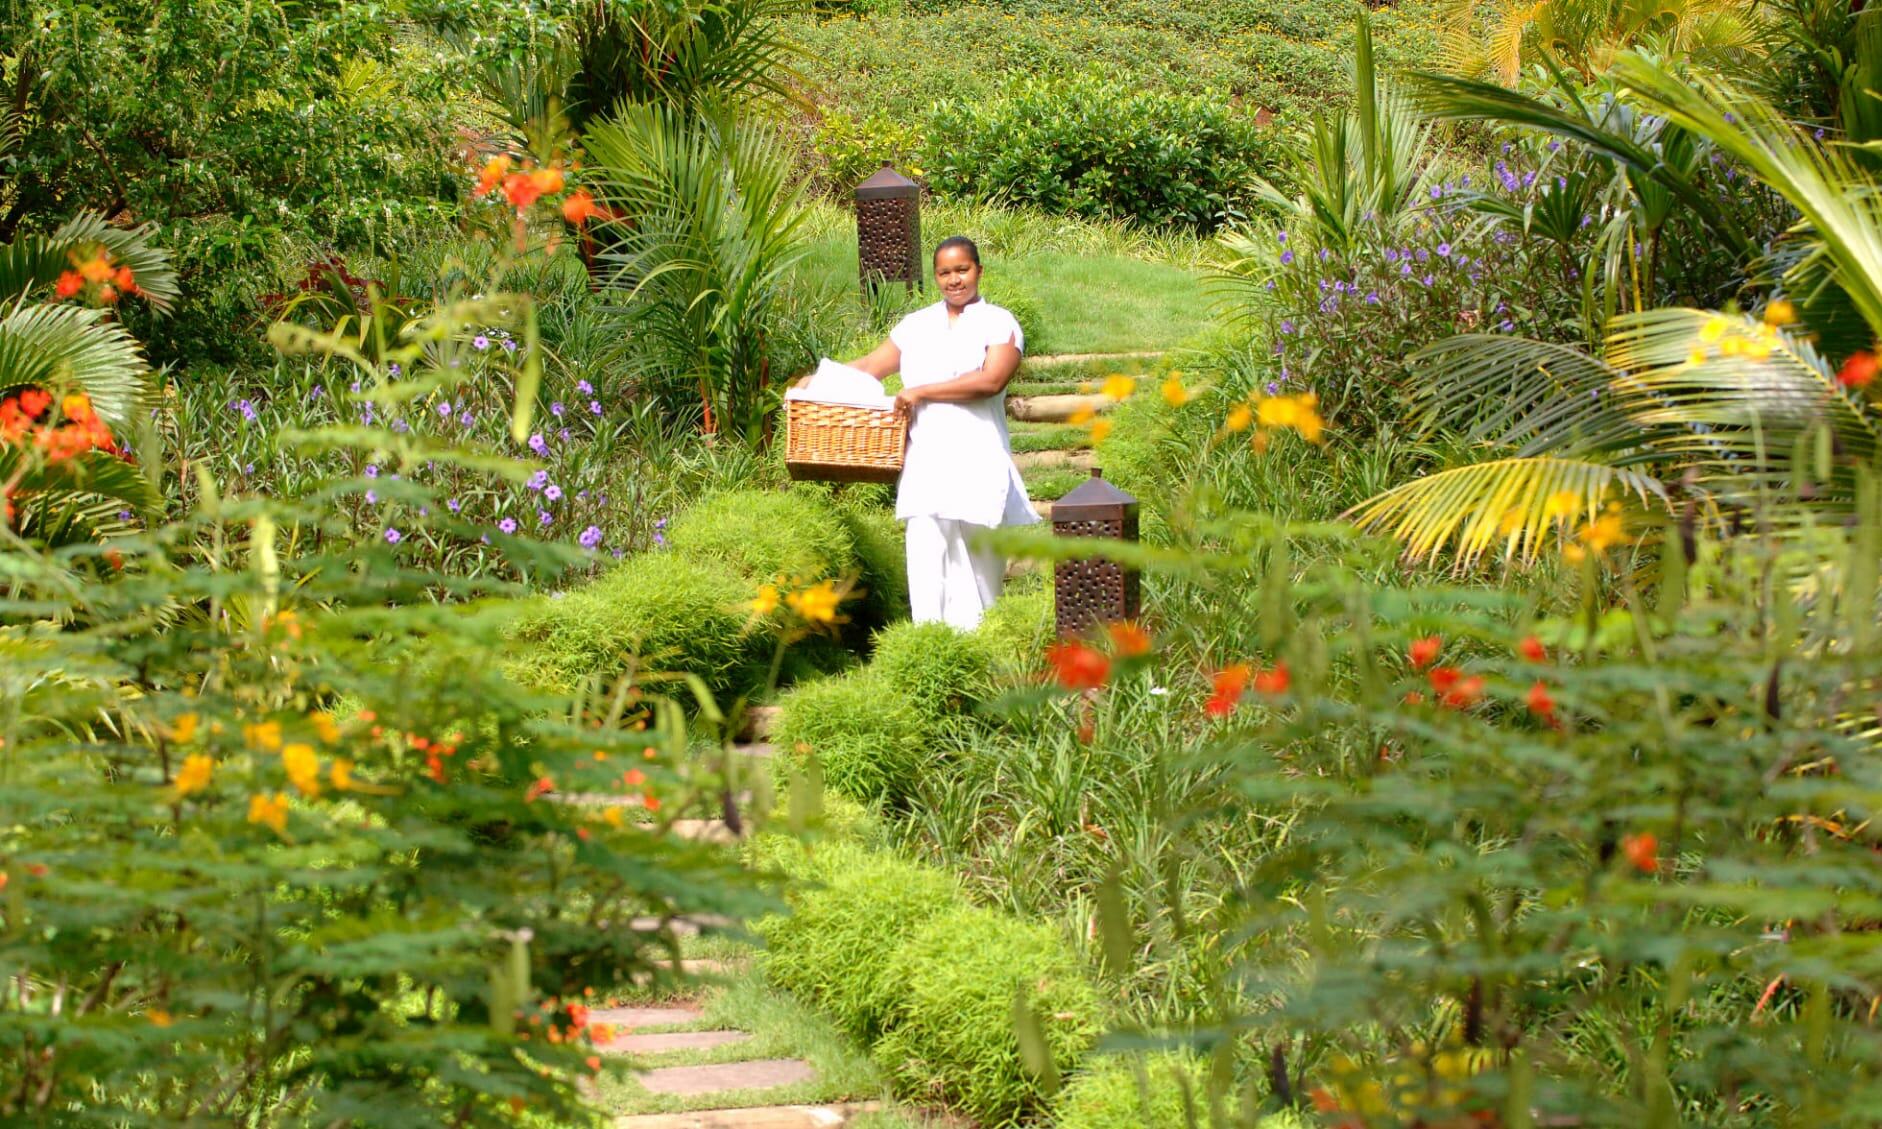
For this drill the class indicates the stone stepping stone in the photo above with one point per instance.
(757, 1117)
(760, 750)
(1080, 459)
(1056, 409)
(759, 722)
(757, 1074)
(681, 926)
(1081, 358)
(673, 1041)
(629, 1018)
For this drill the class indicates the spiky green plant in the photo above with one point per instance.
(1498, 39)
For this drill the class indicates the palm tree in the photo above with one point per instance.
(58, 346)
(1588, 34)
(1735, 411)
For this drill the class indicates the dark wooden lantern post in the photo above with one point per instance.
(1094, 590)
(888, 230)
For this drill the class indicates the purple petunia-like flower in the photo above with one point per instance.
(563, 435)
(619, 553)
(1372, 297)
(466, 419)
(594, 407)
(584, 388)
(393, 536)
(1287, 257)
(538, 480)
(247, 409)
(401, 426)
(659, 542)
(1287, 325)
(591, 537)
(507, 525)
(1444, 250)
(552, 492)
(454, 506)
(538, 444)
(509, 346)
(544, 517)
(372, 470)
(1272, 387)
(444, 410)
(556, 409)
(394, 368)
(480, 342)
(372, 497)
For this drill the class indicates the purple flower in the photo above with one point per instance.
(507, 525)
(1287, 257)
(509, 346)
(444, 410)
(659, 542)
(563, 435)
(1421, 254)
(1282, 237)
(544, 517)
(1506, 325)
(1372, 297)
(401, 426)
(1817, 134)
(394, 368)
(484, 538)
(465, 418)
(249, 469)
(552, 492)
(372, 470)
(538, 444)
(1427, 280)
(658, 523)
(317, 392)
(594, 407)
(591, 537)
(1272, 387)
(1324, 254)
(247, 409)
(1555, 145)
(480, 342)
(372, 497)
(356, 386)
(424, 511)
(1287, 326)
(393, 536)
(1391, 255)
(1444, 250)
(584, 388)
(1436, 192)
(454, 506)
(538, 480)
(555, 409)
(1405, 270)
(618, 553)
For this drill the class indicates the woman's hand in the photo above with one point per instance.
(907, 399)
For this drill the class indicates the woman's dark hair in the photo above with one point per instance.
(973, 252)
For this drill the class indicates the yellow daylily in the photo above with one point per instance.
(303, 768)
(269, 811)
(194, 776)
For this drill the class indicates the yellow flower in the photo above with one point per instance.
(1082, 416)
(194, 775)
(1780, 312)
(1562, 503)
(1239, 418)
(342, 774)
(1118, 387)
(611, 815)
(1697, 356)
(1100, 430)
(1731, 347)
(1296, 412)
(766, 601)
(1173, 391)
(1574, 554)
(324, 727)
(183, 729)
(303, 768)
(1714, 328)
(816, 603)
(1604, 532)
(263, 735)
(269, 811)
(160, 1018)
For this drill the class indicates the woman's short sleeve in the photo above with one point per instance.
(905, 335)
(1006, 328)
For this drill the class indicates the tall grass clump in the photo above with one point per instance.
(942, 671)
(869, 741)
(767, 535)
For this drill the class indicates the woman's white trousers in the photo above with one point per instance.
(949, 580)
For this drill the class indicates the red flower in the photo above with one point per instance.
(1540, 703)
(541, 787)
(126, 281)
(1532, 649)
(1858, 371)
(1230, 681)
(34, 402)
(1642, 851)
(580, 207)
(1464, 693)
(69, 284)
(492, 174)
(1130, 640)
(1424, 651)
(1273, 682)
(1442, 678)
(1077, 667)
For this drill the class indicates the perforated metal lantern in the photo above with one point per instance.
(888, 230)
(1095, 590)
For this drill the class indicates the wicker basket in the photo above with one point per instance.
(839, 443)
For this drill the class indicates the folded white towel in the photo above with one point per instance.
(837, 383)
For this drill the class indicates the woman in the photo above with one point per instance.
(958, 477)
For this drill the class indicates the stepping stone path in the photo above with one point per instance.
(743, 1078)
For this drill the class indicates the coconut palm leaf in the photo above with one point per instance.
(1533, 396)
(31, 262)
(84, 498)
(58, 347)
(1516, 504)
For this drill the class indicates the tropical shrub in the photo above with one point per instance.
(656, 612)
(767, 535)
(1017, 628)
(881, 557)
(869, 742)
(854, 148)
(966, 977)
(1088, 147)
(1152, 1091)
(940, 670)
(836, 945)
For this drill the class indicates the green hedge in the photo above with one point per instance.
(951, 1033)
(869, 741)
(1017, 629)
(940, 670)
(673, 614)
(767, 534)
(836, 945)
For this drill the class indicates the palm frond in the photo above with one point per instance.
(85, 498)
(1535, 396)
(33, 262)
(1511, 506)
(74, 347)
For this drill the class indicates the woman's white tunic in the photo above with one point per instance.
(959, 464)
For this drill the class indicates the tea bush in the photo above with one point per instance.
(767, 535)
(1091, 147)
(836, 944)
(951, 1034)
(869, 740)
(659, 610)
(940, 670)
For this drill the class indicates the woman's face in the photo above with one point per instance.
(958, 276)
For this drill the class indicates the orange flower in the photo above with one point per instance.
(1642, 851)
(1532, 649)
(1467, 693)
(69, 284)
(650, 801)
(1858, 371)
(77, 407)
(542, 786)
(1273, 682)
(1130, 640)
(269, 811)
(1230, 681)
(1540, 703)
(125, 280)
(195, 774)
(548, 181)
(1424, 651)
(1077, 667)
(580, 207)
(492, 174)
(1442, 678)
(95, 269)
